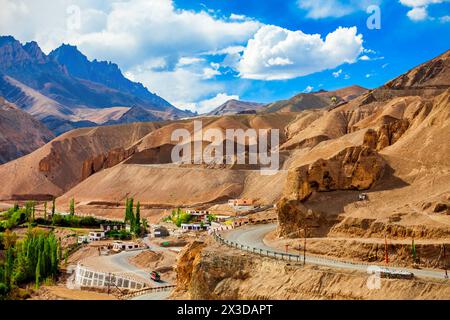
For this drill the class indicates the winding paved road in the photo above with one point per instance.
(253, 236)
(120, 260)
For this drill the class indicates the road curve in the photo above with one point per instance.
(120, 260)
(253, 236)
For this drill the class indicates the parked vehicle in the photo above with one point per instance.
(155, 276)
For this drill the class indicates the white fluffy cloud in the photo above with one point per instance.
(156, 28)
(418, 14)
(308, 89)
(275, 53)
(419, 3)
(337, 73)
(419, 8)
(152, 41)
(210, 104)
(238, 17)
(169, 49)
(124, 31)
(318, 9)
(182, 86)
(185, 61)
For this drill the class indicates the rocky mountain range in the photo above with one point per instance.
(65, 90)
(387, 142)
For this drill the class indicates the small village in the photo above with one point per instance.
(181, 221)
(145, 256)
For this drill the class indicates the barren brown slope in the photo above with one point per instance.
(171, 185)
(20, 133)
(431, 74)
(345, 94)
(409, 133)
(300, 102)
(156, 147)
(407, 124)
(235, 107)
(57, 116)
(60, 164)
(315, 100)
(420, 164)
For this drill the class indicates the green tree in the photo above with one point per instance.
(129, 215)
(9, 239)
(334, 99)
(29, 210)
(53, 206)
(126, 211)
(145, 223)
(8, 268)
(38, 272)
(31, 259)
(33, 210)
(72, 207)
(137, 219)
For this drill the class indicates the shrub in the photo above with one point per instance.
(12, 218)
(119, 234)
(3, 290)
(73, 221)
(34, 258)
(178, 217)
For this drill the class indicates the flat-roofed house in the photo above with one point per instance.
(199, 215)
(125, 246)
(96, 235)
(242, 204)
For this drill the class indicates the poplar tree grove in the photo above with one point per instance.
(33, 259)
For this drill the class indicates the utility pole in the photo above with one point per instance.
(109, 282)
(304, 248)
(386, 255)
(445, 263)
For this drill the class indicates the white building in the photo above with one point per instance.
(242, 204)
(125, 246)
(194, 226)
(96, 235)
(197, 212)
(221, 218)
(83, 239)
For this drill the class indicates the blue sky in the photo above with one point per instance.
(198, 54)
(399, 45)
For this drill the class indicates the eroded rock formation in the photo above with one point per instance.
(354, 168)
(211, 273)
(104, 161)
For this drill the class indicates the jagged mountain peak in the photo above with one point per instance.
(67, 77)
(7, 40)
(35, 52)
(104, 72)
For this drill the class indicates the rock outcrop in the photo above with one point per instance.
(296, 220)
(213, 273)
(187, 261)
(354, 168)
(104, 161)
